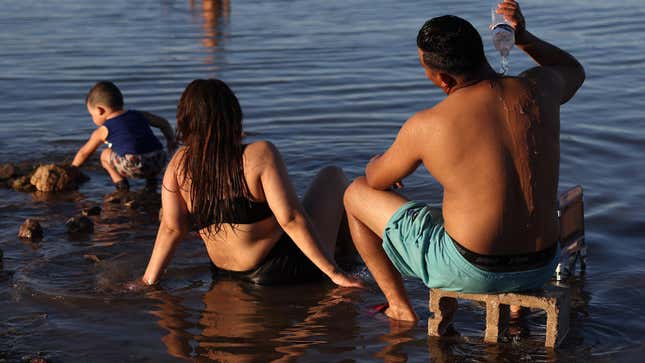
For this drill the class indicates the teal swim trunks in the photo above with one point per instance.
(418, 245)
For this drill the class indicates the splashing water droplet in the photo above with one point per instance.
(504, 64)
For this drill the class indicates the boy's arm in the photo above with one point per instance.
(559, 71)
(162, 124)
(173, 226)
(399, 161)
(96, 139)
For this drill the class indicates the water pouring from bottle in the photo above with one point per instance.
(503, 37)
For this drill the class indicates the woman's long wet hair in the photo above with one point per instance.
(209, 125)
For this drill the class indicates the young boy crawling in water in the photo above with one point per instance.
(133, 150)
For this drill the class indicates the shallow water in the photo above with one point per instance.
(329, 83)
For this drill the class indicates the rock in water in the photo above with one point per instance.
(53, 178)
(22, 184)
(131, 202)
(93, 258)
(30, 230)
(80, 224)
(93, 211)
(114, 197)
(7, 171)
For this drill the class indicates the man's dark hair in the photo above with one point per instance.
(105, 93)
(451, 44)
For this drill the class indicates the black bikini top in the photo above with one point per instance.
(250, 211)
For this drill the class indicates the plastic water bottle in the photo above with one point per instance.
(503, 37)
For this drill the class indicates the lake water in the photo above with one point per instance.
(329, 82)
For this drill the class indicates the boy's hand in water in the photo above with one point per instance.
(513, 15)
(73, 172)
(343, 279)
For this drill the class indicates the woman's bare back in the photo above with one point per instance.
(239, 247)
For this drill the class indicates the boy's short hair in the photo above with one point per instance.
(451, 44)
(105, 93)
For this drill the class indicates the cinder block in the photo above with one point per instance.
(553, 299)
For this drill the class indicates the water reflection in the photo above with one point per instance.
(398, 336)
(215, 14)
(245, 323)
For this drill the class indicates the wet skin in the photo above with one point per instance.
(492, 144)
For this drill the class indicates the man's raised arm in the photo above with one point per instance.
(559, 69)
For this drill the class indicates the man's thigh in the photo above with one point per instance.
(371, 206)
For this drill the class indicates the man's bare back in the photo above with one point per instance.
(497, 160)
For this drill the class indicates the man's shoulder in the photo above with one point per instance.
(540, 77)
(424, 117)
(429, 118)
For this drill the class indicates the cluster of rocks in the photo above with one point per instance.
(27, 177)
(31, 230)
(134, 200)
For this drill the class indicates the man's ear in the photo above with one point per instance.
(102, 110)
(446, 82)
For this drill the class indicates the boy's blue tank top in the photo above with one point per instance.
(130, 133)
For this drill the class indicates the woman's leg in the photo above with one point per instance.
(323, 202)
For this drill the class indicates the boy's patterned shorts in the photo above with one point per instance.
(145, 166)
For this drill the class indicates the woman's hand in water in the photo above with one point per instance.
(343, 279)
(512, 13)
(136, 285)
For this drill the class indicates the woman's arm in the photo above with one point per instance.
(173, 226)
(289, 213)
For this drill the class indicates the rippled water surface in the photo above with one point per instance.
(329, 82)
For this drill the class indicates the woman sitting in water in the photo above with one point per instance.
(240, 198)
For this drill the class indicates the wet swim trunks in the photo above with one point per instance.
(146, 166)
(418, 245)
(285, 264)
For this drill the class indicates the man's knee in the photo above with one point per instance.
(352, 193)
